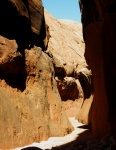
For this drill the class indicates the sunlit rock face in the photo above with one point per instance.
(99, 29)
(66, 49)
(30, 105)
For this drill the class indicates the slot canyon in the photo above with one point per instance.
(54, 70)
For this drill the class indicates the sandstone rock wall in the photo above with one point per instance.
(31, 109)
(19, 21)
(38, 57)
(66, 49)
(99, 21)
(66, 46)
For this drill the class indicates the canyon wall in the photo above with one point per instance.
(41, 63)
(72, 74)
(99, 28)
(30, 104)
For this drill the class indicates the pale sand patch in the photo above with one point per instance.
(58, 141)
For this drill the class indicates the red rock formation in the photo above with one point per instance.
(85, 114)
(71, 94)
(19, 21)
(99, 28)
(30, 105)
(66, 49)
(66, 46)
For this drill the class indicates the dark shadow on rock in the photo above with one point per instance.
(74, 145)
(67, 88)
(69, 93)
(13, 25)
(89, 127)
(16, 24)
(85, 85)
(14, 73)
(31, 148)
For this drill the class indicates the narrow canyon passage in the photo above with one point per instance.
(51, 97)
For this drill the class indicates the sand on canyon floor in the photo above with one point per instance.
(80, 133)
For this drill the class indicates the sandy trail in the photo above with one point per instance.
(59, 141)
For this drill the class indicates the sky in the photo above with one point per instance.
(63, 9)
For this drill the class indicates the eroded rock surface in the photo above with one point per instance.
(66, 46)
(71, 93)
(66, 49)
(31, 109)
(23, 20)
(85, 114)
